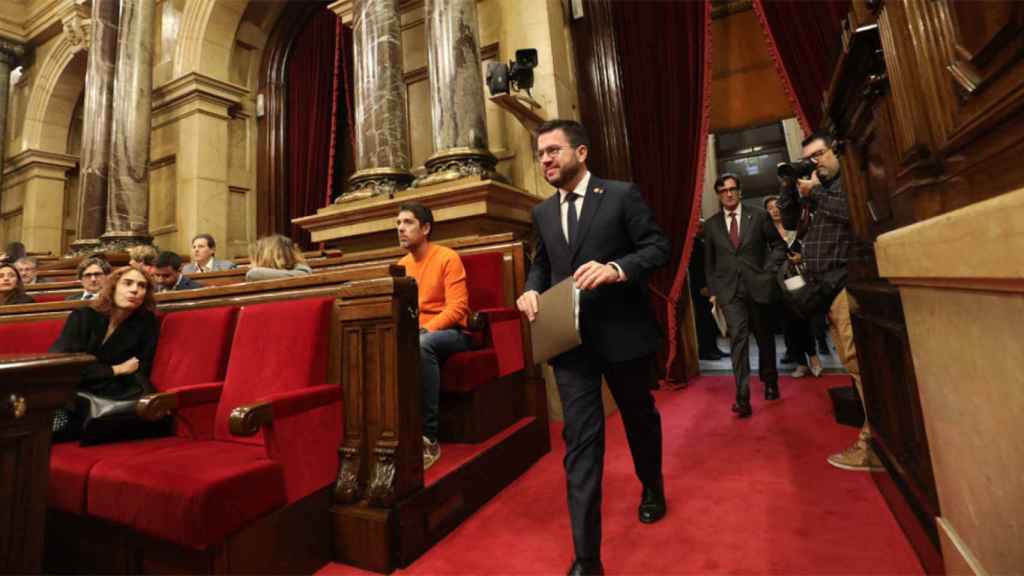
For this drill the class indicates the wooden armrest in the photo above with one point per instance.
(153, 407)
(247, 420)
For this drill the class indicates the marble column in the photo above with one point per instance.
(10, 55)
(94, 162)
(456, 94)
(128, 196)
(382, 131)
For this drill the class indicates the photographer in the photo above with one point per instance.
(825, 253)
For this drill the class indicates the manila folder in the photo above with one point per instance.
(553, 331)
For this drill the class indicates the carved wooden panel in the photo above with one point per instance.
(974, 50)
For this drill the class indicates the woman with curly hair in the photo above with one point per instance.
(275, 256)
(12, 291)
(119, 328)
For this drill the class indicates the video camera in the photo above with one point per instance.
(794, 171)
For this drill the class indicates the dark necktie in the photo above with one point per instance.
(573, 218)
(734, 231)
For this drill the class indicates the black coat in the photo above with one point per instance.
(760, 253)
(135, 337)
(615, 225)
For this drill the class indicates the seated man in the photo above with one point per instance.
(92, 273)
(27, 266)
(444, 310)
(143, 257)
(167, 274)
(203, 249)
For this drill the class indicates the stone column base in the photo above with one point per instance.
(373, 182)
(469, 207)
(122, 241)
(456, 163)
(86, 247)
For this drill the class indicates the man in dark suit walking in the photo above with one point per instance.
(742, 253)
(602, 234)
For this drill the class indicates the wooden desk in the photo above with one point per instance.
(32, 386)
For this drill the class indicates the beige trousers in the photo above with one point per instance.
(841, 329)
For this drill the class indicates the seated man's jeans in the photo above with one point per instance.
(435, 348)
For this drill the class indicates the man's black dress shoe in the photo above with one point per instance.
(742, 410)
(586, 568)
(771, 391)
(652, 505)
(787, 359)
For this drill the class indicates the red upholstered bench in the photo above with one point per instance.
(482, 389)
(193, 349)
(276, 428)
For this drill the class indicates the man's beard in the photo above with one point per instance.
(566, 174)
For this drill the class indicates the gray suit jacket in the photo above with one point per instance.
(217, 265)
(754, 263)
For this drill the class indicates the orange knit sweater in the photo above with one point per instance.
(441, 280)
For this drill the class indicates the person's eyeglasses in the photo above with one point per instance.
(93, 275)
(728, 189)
(816, 155)
(551, 151)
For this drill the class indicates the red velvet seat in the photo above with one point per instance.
(29, 337)
(202, 491)
(482, 389)
(193, 349)
(45, 297)
(499, 351)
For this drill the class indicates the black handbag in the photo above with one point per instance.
(107, 420)
(809, 296)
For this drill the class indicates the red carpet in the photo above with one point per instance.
(745, 497)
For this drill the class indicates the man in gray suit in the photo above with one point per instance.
(204, 247)
(742, 253)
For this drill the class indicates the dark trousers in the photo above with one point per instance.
(435, 348)
(578, 375)
(744, 316)
(801, 344)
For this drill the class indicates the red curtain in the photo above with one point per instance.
(804, 39)
(310, 115)
(664, 48)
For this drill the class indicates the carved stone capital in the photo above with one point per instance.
(76, 29)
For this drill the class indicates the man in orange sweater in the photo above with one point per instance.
(444, 310)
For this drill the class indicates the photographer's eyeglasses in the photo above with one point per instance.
(816, 155)
(552, 151)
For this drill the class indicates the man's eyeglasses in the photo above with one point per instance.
(552, 151)
(93, 275)
(728, 189)
(816, 155)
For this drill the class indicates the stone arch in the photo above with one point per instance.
(55, 92)
(206, 37)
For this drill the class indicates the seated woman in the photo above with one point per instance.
(121, 331)
(276, 256)
(12, 291)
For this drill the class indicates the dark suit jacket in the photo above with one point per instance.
(754, 263)
(136, 336)
(615, 225)
(186, 283)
